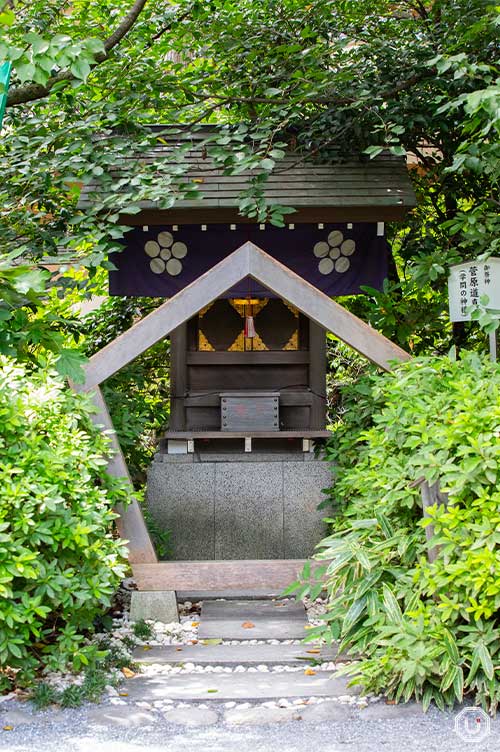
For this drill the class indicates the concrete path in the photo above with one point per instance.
(253, 620)
(235, 655)
(250, 687)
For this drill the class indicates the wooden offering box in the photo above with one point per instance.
(250, 411)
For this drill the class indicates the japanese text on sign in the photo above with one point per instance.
(468, 283)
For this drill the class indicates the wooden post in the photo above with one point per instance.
(130, 523)
(317, 374)
(431, 495)
(493, 346)
(178, 375)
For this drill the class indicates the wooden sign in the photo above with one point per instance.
(468, 283)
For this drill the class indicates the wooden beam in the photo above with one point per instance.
(287, 399)
(298, 434)
(174, 312)
(213, 215)
(130, 524)
(250, 358)
(321, 309)
(261, 574)
(248, 260)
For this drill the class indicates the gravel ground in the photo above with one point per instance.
(74, 731)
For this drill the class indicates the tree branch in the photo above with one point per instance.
(30, 92)
(328, 100)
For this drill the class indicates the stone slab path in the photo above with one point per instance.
(253, 620)
(235, 655)
(251, 687)
(246, 671)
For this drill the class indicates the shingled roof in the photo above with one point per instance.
(295, 180)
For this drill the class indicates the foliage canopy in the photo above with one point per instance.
(317, 78)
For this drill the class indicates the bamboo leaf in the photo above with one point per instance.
(391, 605)
(353, 614)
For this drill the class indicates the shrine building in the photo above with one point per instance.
(238, 474)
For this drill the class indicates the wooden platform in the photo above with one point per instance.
(247, 434)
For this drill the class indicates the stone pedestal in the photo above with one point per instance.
(241, 505)
(158, 605)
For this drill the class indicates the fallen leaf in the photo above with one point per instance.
(8, 728)
(195, 623)
(314, 650)
(310, 672)
(248, 625)
(212, 641)
(146, 647)
(123, 694)
(127, 673)
(179, 650)
(309, 626)
(193, 642)
(212, 690)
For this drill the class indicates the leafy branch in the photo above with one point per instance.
(32, 91)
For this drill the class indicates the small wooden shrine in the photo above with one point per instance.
(247, 309)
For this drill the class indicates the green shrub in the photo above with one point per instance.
(423, 630)
(59, 561)
(142, 630)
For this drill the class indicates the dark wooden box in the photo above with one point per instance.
(250, 411)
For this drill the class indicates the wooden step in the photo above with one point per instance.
(220, 575)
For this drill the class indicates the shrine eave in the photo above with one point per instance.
(358, 189)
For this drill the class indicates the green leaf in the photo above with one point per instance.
(451, 646)
(353, 614)
(80, 68)
(70, 364)
(485, 659)
(391, 606)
